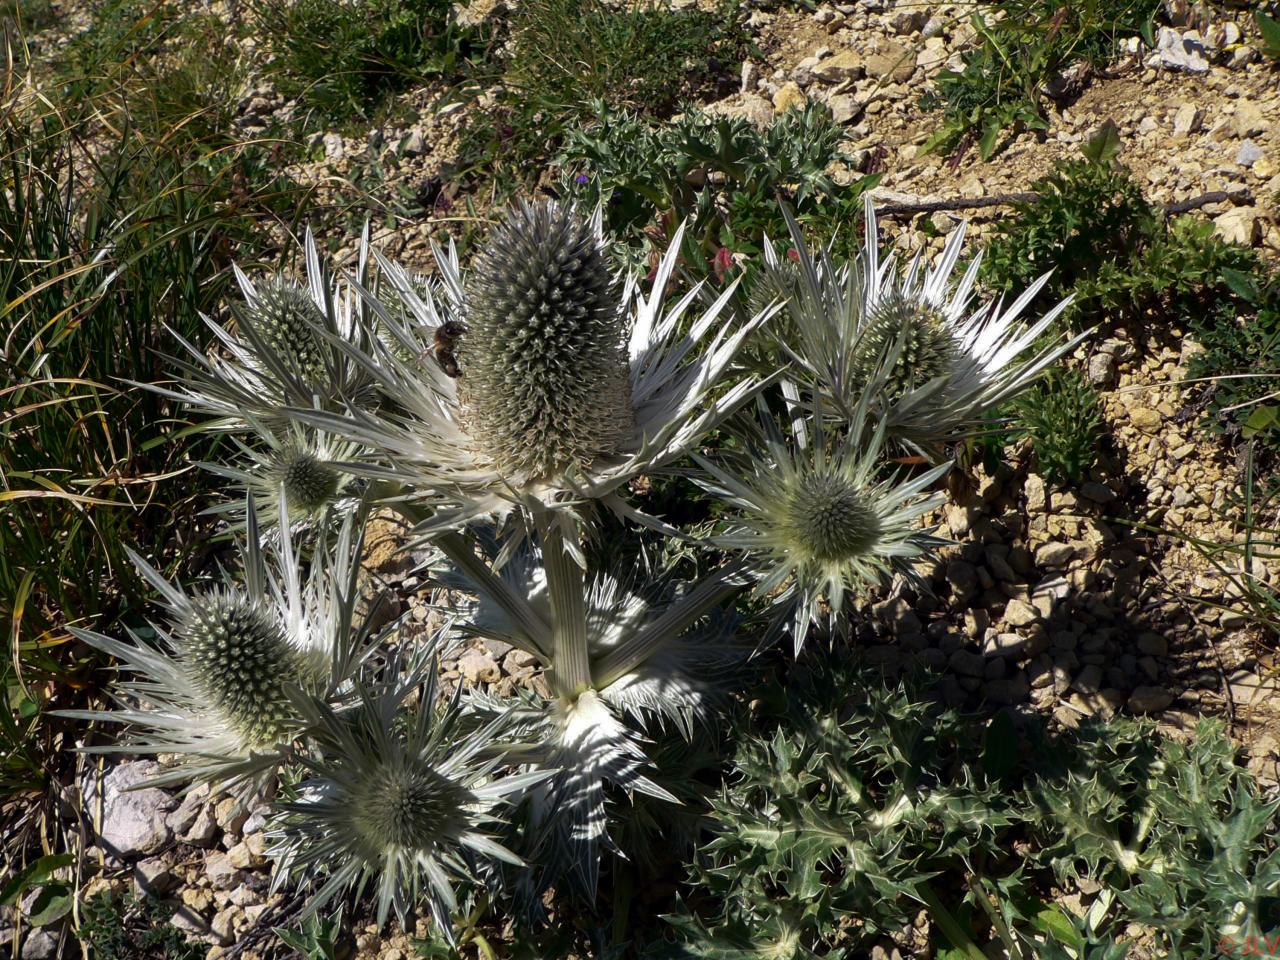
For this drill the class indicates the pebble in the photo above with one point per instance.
(1055, 554)
(1145, 419)
(1249, 154)
(1019, 613)
(1149, 699)
(1187, 119)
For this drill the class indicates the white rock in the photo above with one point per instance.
(133, 820)
(1240, 225)
(333, 146)
(1187, 119)
(1181, 52)
(1249, 154)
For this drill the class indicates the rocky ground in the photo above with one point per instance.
(1053, 600)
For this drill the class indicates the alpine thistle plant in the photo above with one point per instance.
(649, 655)
(569, 383)
(494, 409)
(821, 515)
(932, 365)
(215, 691)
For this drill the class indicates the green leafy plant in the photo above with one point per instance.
(1023, 46)
(120, 927)
(1113, 250)
(568, 54)
(1063, 417)
(1240, 335)
(842, 806)
(721, 172)
(876, 805)
(343, 59)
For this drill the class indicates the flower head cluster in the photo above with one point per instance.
(929, 364)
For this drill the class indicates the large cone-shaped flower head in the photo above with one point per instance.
(544, 363)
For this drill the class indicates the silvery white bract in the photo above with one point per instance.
(290, 349)
(931, 363)
(214, 691)
(294, 465)
(819, 514)
(401, 802)
(569, 384)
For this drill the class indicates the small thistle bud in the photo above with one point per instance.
(285, 317)
(830, 518)
(544, 366)
(239, 657)
(777, 284)
(309, 483)
(929, 348)
(410, 807)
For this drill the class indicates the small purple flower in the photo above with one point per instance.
(582, 178)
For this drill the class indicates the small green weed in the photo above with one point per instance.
(1241, 356)
(343, 58)
(568, 54)
(26, 16)
(1112, 249)
(875, 805)
(1023, 46)
(115, 927)
(1063, 417)
(722, 173)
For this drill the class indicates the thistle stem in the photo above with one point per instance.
(948, 923)
(459, 551)
(566, 586)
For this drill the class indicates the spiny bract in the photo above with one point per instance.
(544, 364)
(285, 317)
(240, 657)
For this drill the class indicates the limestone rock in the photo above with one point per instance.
(133, 819)
(1240, 225)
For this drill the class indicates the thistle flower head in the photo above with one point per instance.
(929, 364)
(216, 691)
(544, 364)
(288, 322)
(294, 466)
(817, 515)
(905, 343)
(398, 802)
(291, 347)
(553, 383)
(237, 656)
(829, 517)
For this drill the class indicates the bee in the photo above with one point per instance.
(442, 346)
